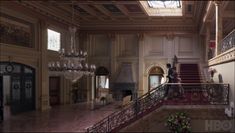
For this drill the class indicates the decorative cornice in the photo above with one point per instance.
(190, 28)
(227, 56)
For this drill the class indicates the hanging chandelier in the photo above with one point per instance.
(72, 62)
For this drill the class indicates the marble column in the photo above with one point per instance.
(219, 26)
(43, 66)
(87, 82)
(207, 41)
(113, 62)
(141, 65)
(92, 92)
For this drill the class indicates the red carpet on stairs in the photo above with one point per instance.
(189, 73)
(189, 98)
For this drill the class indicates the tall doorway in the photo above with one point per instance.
(17, 88)
(54, 90)
(155, 77)
(1, 99)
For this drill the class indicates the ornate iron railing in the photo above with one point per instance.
(208, 93)
(228, 42)
(204, 93)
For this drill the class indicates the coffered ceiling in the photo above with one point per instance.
(92, 15)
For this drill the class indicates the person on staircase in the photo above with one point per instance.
(179, 89)
(170, 79)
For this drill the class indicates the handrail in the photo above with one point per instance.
(128, 105)
(211, 94)
(154, 89)
(228, 42)
(229, 34)
(195, 83)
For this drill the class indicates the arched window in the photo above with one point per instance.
(155, 77)
(101, 79)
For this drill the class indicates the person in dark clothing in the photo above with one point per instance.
(175, 61)
(170, 73)
(177, 89)
(174, 75)
(170, 78)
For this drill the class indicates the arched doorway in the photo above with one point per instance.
(101, 81)
(155, 76)
(18, 87)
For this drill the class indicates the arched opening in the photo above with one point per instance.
(17, 88)
(155, 77)
(101, 82)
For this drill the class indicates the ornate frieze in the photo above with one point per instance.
(224, 57)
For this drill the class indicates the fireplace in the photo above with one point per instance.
(125, 83)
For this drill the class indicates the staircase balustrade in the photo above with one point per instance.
(228, 42)
(210, 94)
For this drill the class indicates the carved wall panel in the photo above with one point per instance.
(128, 45)
(185, 46)
(100, 45)
(154, 45)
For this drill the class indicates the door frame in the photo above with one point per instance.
(1, 99)
(59, 90)
(22, 76)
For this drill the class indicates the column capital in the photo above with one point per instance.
(217, 2)
(112, 36)
(170, 36)
(140, 36)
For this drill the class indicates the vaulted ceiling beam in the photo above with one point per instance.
(124, 11)
(83, 2)
(50, 11)
(104, 11)
(76, 13)
(90, 11)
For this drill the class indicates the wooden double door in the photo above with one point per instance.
(54, 90)
(19, 90)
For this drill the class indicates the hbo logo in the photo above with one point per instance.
(218, 125)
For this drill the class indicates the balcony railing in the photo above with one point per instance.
(194, 94)
(228, 42)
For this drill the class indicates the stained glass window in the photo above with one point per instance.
(53, 40)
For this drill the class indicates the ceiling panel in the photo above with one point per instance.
(112, 8)
(133, 8)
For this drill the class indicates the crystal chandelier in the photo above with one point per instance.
(72, 62)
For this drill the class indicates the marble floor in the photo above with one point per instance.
(67, 118)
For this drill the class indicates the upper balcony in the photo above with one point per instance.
(227, 50)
